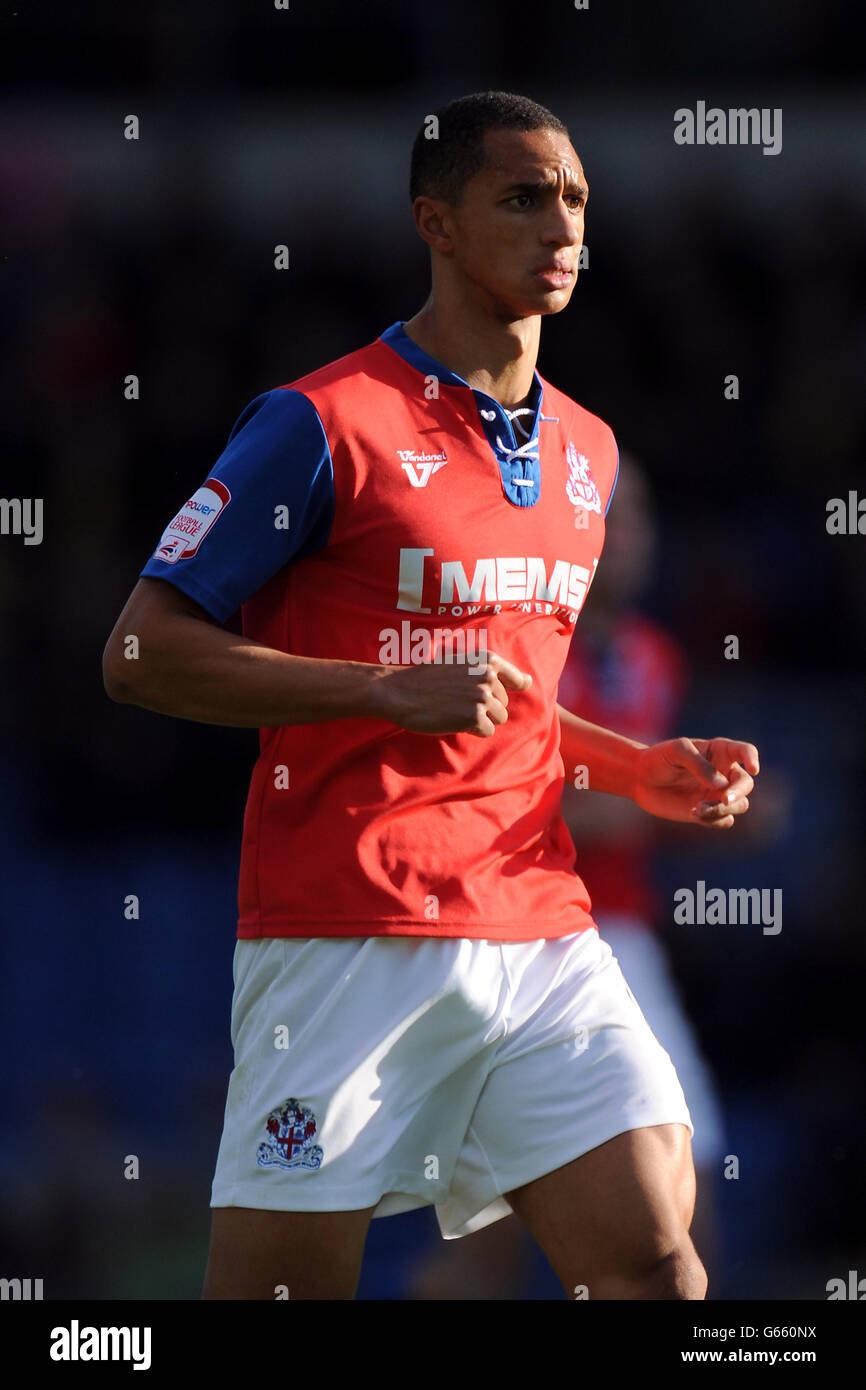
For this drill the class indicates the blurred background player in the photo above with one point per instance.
(625, 671)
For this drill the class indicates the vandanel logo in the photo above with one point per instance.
(419, 468)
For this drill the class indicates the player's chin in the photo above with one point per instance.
(548, 300)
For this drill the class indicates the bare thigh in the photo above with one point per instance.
(309, 1254)
(616, 1220)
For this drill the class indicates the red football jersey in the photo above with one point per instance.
(416, 508)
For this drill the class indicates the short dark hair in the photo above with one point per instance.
(442, 166)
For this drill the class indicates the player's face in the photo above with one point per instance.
(518, 229)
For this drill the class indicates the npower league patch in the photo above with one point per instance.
(183, 536)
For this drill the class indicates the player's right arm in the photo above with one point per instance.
(187, 665)
(220, 549)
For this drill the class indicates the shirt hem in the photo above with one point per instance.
(512, 931)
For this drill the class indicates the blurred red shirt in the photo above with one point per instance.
(632, 681)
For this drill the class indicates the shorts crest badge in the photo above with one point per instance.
(291, 1129)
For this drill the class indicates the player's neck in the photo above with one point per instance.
(493, 356)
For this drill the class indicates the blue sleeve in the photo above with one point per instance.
(615, 481)
(269, 499)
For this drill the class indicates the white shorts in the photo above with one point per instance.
(396, 1072)
(644, 963)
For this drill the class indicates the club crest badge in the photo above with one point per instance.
(580, 487)
(291, 1130)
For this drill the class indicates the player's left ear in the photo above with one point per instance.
(432, 223)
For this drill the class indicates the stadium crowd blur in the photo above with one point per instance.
(156, 258)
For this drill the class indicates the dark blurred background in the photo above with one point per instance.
(156, 257)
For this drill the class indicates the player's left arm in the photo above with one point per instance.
(684, 779)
